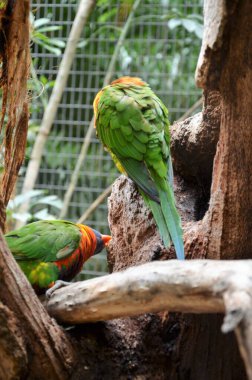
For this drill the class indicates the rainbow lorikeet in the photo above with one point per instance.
(52, 250)
(132, 123)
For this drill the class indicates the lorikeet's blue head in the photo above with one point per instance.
(101, 241)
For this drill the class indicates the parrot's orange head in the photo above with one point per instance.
(123, 80)
(128, 81)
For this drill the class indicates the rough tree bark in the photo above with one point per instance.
(15, 59)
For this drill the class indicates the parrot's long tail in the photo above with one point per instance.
(159, 219)
(172, 220)
(167, 220)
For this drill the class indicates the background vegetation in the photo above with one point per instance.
(161, 47)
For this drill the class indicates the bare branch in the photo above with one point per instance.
(191, 287)
(197, 286)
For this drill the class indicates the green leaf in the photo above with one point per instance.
(50, 48)
(108, 16)
(40, 37)
(21, 198)
(51, 28)
(24, 217)
(51, 200)
(173, 23)
(40, 21)
(82, 44)
(192, 24)
(57, 42)
(44, 215)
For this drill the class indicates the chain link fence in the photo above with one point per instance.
(162, 46)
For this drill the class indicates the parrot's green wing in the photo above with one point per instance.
(130, 125)
(44, 240)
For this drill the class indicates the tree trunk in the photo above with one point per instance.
(183, 346)
(15, 60)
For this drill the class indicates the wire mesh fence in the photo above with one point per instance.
(161, 46)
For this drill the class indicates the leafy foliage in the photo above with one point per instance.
(41, 207)
(39, 28)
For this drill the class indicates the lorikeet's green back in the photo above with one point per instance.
(53, 250)
(133, 124)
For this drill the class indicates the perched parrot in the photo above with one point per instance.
(52, 250)
(132, 123)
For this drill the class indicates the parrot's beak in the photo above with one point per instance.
(101, 241)
(106, 239)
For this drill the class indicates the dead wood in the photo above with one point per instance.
(198, 286)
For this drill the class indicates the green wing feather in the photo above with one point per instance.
(46, 241)
(132, 123)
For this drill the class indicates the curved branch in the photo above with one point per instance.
(195, 286)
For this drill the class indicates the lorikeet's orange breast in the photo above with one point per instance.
(72, 265)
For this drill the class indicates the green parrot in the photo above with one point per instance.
(132, 123)
(52, 250)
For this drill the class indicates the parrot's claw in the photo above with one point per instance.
(58, 284)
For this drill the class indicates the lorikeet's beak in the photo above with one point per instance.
(106, 239)
(101, 241)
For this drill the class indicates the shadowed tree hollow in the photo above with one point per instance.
(212, 160)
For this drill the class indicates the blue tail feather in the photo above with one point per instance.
(172, 219)
(159, 219)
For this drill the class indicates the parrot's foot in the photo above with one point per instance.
(157, 254)
(58, 284)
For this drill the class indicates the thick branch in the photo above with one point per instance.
(191, 287)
